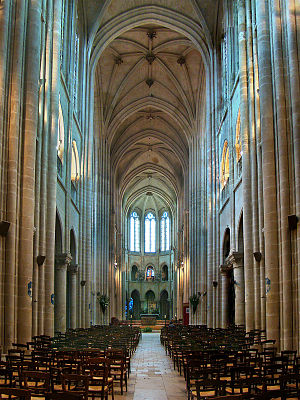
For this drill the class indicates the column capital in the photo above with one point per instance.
(63, 260)
(73, 269)
(235, 259)
(224, 268)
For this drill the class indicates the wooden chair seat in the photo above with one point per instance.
(63, 396)
(13, 393)
(203, 394)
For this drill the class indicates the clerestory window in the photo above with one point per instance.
(150, 233)
(165, 232)
(225, 165)
(134, 232)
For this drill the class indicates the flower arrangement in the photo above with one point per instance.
(103, 300)
(194, 300)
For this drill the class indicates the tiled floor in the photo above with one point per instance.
(152, 375)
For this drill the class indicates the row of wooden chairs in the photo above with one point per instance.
(223, 363)
(13, 374)
(44, 367)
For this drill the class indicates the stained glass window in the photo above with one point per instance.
(165, 232)
(134, 232)
(225, 165)
(150, 233)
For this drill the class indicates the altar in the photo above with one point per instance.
(149, 319)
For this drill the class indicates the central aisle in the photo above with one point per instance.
(152, 375)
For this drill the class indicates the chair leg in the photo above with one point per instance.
(121, 384)
(112, 392)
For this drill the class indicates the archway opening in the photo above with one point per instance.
(165, 273)
(150, 302)
(164, 305)
(134, 273)
(136, 308)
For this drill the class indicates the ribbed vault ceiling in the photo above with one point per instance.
(150, 90)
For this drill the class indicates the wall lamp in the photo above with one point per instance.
(4, 227)
(40, 260)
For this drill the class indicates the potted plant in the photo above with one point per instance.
(194, 300)
(103, 300)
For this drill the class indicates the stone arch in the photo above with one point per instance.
(240, 235)
(150, 301)
(165, 273)
(164, 305)
(229, 292)
(73, 246)
(58, 234)
(134, 272)
(150, 15)
(150, 273)
(226, 244)
(136, 309)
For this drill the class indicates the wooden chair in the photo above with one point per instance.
(291, 357)
(207, 388)
(35, 381)
(13, 393)
(118, 368)
(100, 383)
(75, 384)
(63, 396)
(6, 377)
(290, 386)
(230, 397)
(98, 369)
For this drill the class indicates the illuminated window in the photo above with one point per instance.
(134, 232)
(150, 233)
(165, 232)
(150, 274)
(225, 165)
(60, 135)
(75, 167)
(238, 142)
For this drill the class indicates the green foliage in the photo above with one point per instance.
(147, 329)
(103, 300)
(194, 300)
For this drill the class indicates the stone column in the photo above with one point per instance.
(247, 184)
(73, 269)
(4, 48)
(285, 183)
(224, 269)
(30, 125)
(269, 171)
(62, 262)
(52, 167)
(236, 260)
(195, 225)
(12, 145)
(292, 20)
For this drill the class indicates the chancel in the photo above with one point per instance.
(149, 166)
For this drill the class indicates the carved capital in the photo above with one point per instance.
(224, 269)
(241, 3)
(235, 259)
(73, 269)
(63, 260)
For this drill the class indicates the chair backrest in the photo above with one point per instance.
(6, 376)
(63, 396)
(233, 397)
(98, 367)
(37, 381)
(21, 394)
(75, 383)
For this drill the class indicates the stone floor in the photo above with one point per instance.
(152, 375)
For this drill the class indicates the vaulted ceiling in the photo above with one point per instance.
(150, 87)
